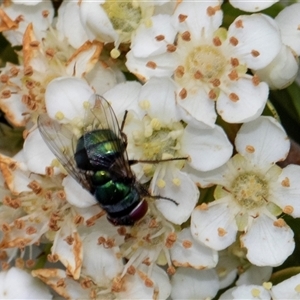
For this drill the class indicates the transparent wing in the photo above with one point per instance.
(102, 116)
(62, 143)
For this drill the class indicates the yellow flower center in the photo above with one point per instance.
(250, 191)
(158, 144)
(124, 15)
(205, 63)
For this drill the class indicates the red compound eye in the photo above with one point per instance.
(139, 211)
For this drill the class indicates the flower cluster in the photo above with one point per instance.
(149, 167)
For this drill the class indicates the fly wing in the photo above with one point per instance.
(62, 143)
(102, 117)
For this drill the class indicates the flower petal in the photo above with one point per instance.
(207, 148)
(188, 283)
(124, 96)
(160, 96)
(158, 65)
(287, 289)
(76, 194)
(214, 226)
(198, 105)
(178, 187)
(251, 100)
(37, 158)
(187, 252)
(286, 191)
(288, 22)
(67, 95)
(100, 263)
(263, 141)
(282, 71)
(154, 39)
(200, 17)
(252, 6)
(69, 253)
(258, 40)
(268, 244)
(96, 22)
(68, 22)
(28, 286)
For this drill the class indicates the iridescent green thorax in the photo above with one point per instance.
(102, 142)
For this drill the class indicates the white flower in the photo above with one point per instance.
(252, 192)
(154, 132)
(27, 286)
(209, 63)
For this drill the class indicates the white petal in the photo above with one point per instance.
(67, 95)
(96, 22)
(135, 287)
(180, 188)
(248, 292)
(30, 14)
(76, 194)
(199, 106)
(188, 283)
(194, 255)
(84, 60)
(71, 289)
(145, 43)
(249, 106)
(158, 65)
(37, 154)
(258, 40)
(100, 263)
(255, 275)
(68, 22)
(285, 192)
(198, 20)
(214, 226)
(28, 287)
(227, 268)
(267, 244)
(207, 148)
(263, 141)
(287, 289)
(288, 22)
(14, 109)
(160, 94)
(252, 6)
(69, 254)
(124, 96)
(282, 71)
(207, 179)
(101, 78)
